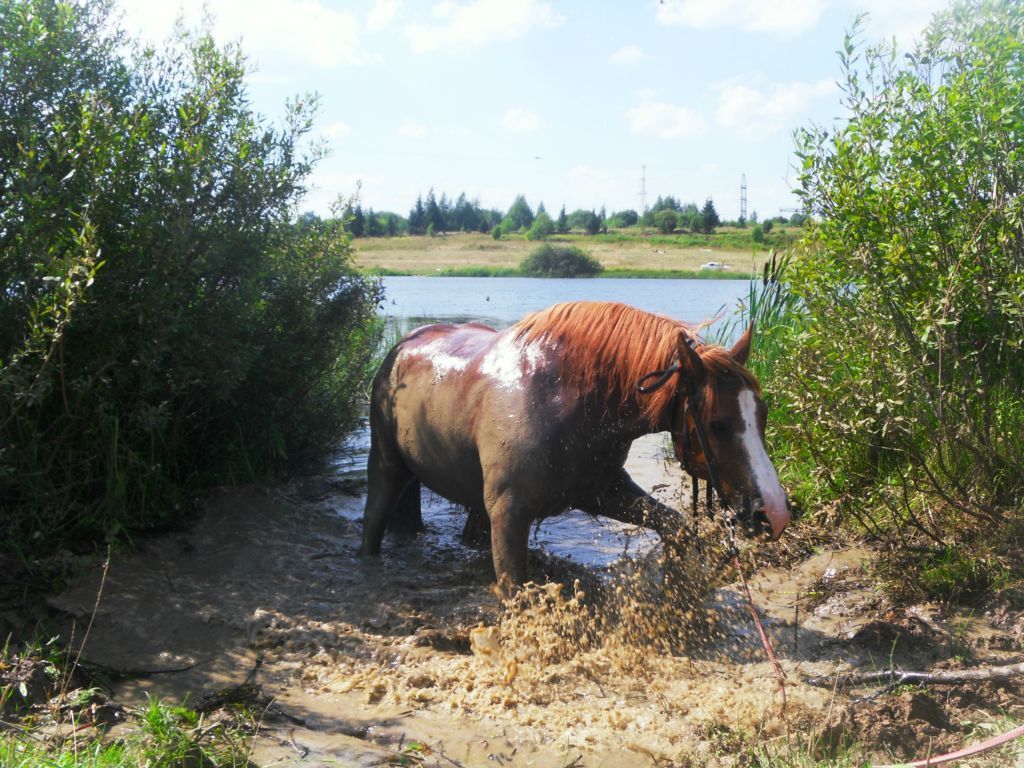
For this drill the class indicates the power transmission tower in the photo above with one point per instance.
(743, 197)
(643, 199)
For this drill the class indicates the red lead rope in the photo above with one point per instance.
(981, 746)
(776, 669)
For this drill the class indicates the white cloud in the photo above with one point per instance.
(462, 26)
(780, 16)
(517, 120)
(595, 185)
(412, 130)
(666, 121)
(382, 14)
(327, 183)
(274, 33)
(628, 54)
(754, 112)
(904, 20)
(336, 130)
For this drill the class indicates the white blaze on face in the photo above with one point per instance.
(761, 467)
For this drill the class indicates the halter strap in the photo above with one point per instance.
(691, 405)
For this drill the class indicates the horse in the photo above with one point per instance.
(525, 423)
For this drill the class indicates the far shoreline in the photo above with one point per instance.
(499, 272)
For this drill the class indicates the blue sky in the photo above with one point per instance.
(564, 102)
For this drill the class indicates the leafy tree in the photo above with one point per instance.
(757, 233)
(519, 216)
(623, 219)
(418, 217)
(908, 378)
(667, 203)
(562, 224)
(374, 225)
(767, 225)
(165, 323)
(433, 217)
(543, 227)
(666, 221)
(355, 220)
(709, 217)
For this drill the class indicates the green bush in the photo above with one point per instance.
(907, 379)
(666, 221)
(560, 261)
(757, 234)
(164, 322)
(542, 228)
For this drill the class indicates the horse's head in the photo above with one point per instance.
(718, 390)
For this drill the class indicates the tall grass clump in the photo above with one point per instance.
(906, 379)
(164, 321)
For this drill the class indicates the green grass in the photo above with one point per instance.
(727, 239)
(162, 737)
(50, 725)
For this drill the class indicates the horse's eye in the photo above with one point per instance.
(720, 427)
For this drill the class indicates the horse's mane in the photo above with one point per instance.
(606, 347)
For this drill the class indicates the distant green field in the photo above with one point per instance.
(625, 253)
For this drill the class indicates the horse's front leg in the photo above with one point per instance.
(510, 531)
(627, 502)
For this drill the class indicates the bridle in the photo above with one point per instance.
(691, 407)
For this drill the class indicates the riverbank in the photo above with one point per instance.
(622, 255)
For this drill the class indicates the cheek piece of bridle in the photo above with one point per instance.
(691, 407)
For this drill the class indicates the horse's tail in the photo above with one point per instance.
(406, 518)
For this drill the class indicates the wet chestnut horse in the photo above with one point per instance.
(525, 423)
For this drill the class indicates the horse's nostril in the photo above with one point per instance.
(759, 517)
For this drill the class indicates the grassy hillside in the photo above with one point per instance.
(621, 253)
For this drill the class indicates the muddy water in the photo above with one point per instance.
(365, 659)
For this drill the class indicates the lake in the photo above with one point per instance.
(501, 301)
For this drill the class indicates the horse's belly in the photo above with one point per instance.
(437, 446)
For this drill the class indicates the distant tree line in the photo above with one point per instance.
(433, 215)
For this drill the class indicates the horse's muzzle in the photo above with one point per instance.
(762, 519)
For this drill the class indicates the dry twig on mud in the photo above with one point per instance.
(900, 676)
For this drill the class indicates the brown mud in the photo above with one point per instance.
(410, 659)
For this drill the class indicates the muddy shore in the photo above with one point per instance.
(365, 660)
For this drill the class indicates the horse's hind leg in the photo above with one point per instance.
(406, 518)
(392, 497)
(477, 531)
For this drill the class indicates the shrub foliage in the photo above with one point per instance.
(164, 322)
(907, 378)
(560, 261)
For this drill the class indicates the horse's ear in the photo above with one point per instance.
(740, 351)
(693, 372)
